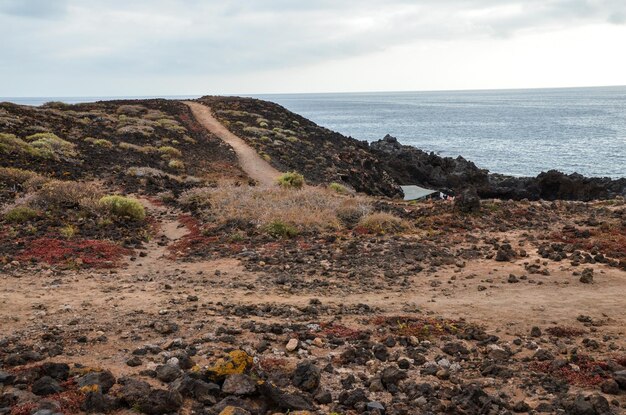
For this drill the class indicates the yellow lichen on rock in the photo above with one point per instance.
(235, 362)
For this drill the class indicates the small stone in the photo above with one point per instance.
(307, 376)
(323, 397)
(238, 384)
(104, 380)
(134, 361)
(587, 276)
(167, 373)
(535, 332)
(46, 386)
(6, 378)
(165, 327)
(375, 406)
(610, 387)
(292, 345)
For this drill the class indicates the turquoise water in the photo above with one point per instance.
(518, 132)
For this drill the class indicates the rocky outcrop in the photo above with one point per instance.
(409, 165)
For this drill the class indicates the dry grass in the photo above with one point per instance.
(309, 209)
(382, 223)
(68, 194)
(18, 178)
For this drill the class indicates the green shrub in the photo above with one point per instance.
(280, 229)
(20, 214)
(171, 125)
(10, 144)
(101, 142)
(123, 207)
(50, 145)
(170, 151)
(140, 149)
(338, 188)
(291, 180)
(176, 164)
(68, 231)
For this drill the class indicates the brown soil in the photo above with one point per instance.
(249, 160)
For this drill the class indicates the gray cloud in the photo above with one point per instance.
(107, 38)
(34, 8)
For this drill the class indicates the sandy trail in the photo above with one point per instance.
(249, 160)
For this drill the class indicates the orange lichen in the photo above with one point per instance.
(235, 362)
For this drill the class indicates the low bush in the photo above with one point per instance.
(176, 164)
(280, 229)
(140, 149)
(338, 188)
(18, 178)
(351, 212)
(131, 110)
(50, 145)
(10, 144)
(382, 223)
(170, 151)
(68, 195)
(68, 231)
(171, 125)
(123, 207)
(144, 130)
(99, 142)
(20, 214)
(291, 180)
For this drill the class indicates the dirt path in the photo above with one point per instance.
(249, 160)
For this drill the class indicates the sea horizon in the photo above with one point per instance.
(29, 100)
(516, 132)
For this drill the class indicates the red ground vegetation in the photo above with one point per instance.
(340, 331)
(88, 253)
(70, 401)
(189, 242)
(611, 241)
(589, 373)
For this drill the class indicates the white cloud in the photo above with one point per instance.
(94, 47)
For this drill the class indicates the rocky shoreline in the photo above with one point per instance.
(409, 165)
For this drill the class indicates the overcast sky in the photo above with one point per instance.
(152, 47)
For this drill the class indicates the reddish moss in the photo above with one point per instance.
(70, 401)
(590, 372)
(340, 331)
(611, 241)
(188, 244)
(87, 253)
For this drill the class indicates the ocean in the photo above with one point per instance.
(516, 132)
